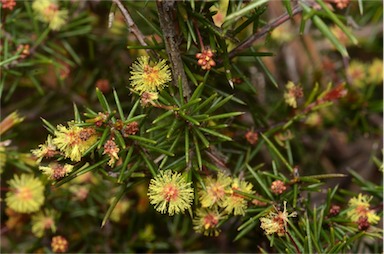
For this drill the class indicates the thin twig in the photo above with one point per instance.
(264, 30)
(131, 24)
(167, 24)
(199, 36)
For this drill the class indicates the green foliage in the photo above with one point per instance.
(288, 107)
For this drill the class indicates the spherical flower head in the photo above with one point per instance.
(56, 171)
(48, 11)
(149, 77)
(334, 210)
(292, 93)
(359, 207)
(251, 137)
(148, 98)
(357, 74)
(234, 201)
(8, 4)
(270, 225)
(363, 223)
(74, 140)
(59, 244)
(375, 72)
(205, 59)
(130, 129)
(278, 187)
(170, 192)
(313, 119)
(215, 190)
(43, 221)
(46, 150)
(80, 192)
(112, 150)
(26, 194)
(276, 222)
(341, 4)
(206, 221)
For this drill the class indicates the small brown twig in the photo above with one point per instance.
(131, 24)
(264, 30)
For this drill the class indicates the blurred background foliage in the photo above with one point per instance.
(331, 127)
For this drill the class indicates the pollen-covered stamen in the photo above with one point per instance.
(151, 74)
(24, 193)
(170, 193)
(217, 191)
(210, 221)
(278, 187)
(58, 171)
(52, 7)
(130, 129)
(51, 10)
(85, 134)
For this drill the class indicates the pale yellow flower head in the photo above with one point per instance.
(74, 140)
(44, 220)
(149, 77)
(26, 194)
(170, 192)
(234, 201)
(56, 171)
(357, 74)
(276, 222)
(359, 207)
(292, 93)
(112, 150)
(206, 221)
(215, 190)
(270, 225)
(46, 150)
(48, 11)
(375, 72)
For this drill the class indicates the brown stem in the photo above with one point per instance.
(131, 25)
(294, 243)
(167, 24)
(264, 30)
(199, 36)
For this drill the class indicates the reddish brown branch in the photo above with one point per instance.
(131, 24)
